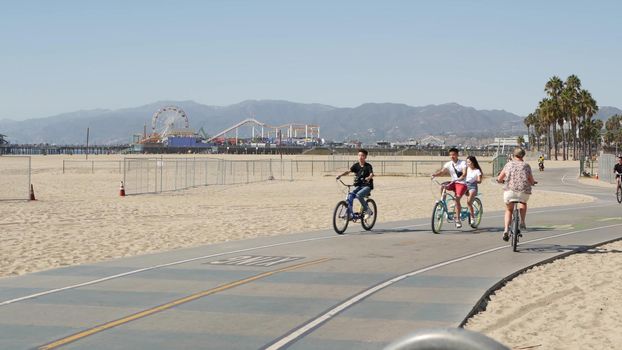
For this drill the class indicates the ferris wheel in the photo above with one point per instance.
(168, 119)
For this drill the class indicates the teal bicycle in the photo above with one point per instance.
(445, 209)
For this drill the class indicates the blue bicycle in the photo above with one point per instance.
(345, 212)
(445, 209)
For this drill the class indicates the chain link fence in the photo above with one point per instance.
(155, 175)
(15, 173)
(498, 162)
(606, 162)
(92, 166)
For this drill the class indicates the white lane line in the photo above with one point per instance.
(133, 272)
(309, 326)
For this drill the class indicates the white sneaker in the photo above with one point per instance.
(458, 224)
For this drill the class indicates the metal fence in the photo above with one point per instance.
(92, 166)
(606, 162)
(498, 162)
(15, 173)
(155, 175)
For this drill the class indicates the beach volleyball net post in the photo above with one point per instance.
(15, 177)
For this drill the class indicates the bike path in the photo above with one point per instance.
(309, 290)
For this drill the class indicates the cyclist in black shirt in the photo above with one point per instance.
(617, 169)
(363, 179)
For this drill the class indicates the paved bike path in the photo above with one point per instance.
(300, 291)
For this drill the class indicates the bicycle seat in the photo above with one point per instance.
(516, 201)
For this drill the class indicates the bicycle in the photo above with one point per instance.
(444, 209)
(619, 189)
(344, 212)
(515, 225)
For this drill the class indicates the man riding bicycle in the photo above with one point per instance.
(617, 169)
(363, 179)
(455, 168)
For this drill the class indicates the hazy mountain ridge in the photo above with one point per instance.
(605, 112)
(367, 122)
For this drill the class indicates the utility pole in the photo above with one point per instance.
(87, 143)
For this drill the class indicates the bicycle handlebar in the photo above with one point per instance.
(433, 179)
(343, 183)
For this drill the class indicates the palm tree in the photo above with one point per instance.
(572, 88)
(539, 128)
(548, 117)
(591, 134)
(554, 88)
(528, 121)
(613, 136)
(588, 108)
(520, 141)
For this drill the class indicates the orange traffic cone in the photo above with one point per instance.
(122, 190)
(32, 193)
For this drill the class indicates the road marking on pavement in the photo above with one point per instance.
(151, 311)
(313, 324)
(560, 227)
(255, 260)
(610, 219)
(145, 269)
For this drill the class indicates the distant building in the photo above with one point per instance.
(409, 143)
(383, 144)
(432, 141)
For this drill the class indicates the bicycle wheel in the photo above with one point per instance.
(619, 194)
(478, 210)
(515, 227)
(340, 217)
(368, 221)
(438, 214)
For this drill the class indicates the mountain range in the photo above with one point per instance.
(368, 122)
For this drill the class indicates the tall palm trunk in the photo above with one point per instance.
(555, 139)
(563, 142)
(549, 141)
(574, 141)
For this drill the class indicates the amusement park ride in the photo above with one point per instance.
(170, 128)
(169, 121)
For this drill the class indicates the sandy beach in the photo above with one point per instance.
(573, 303)
(79, 217)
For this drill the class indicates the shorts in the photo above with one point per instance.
(517, 196)
(471, 186)
(457, 187)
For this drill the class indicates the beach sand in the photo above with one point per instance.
(79, 217)
(573, 303)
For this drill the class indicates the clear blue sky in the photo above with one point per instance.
(60, 56)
